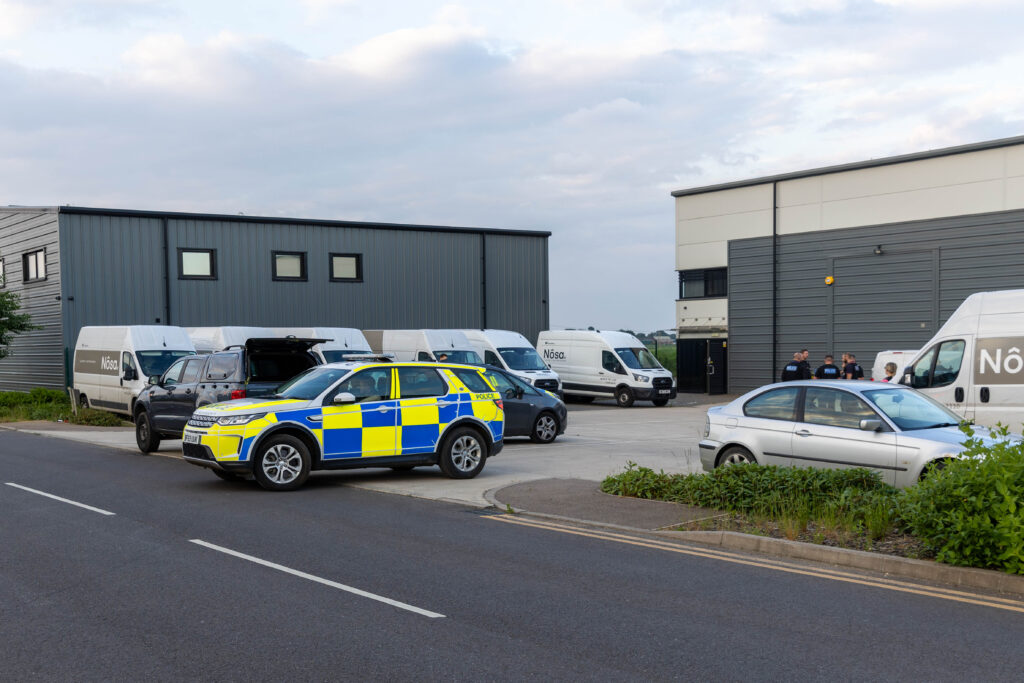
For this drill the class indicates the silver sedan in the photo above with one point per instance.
(889, 428)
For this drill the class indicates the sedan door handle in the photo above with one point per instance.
(803, 432)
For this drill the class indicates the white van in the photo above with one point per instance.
(514, 352)
(900, 358)
(424, 345)
(113, 363)
(974, 364)
(210, 339)
(343, 341)
(595, 364)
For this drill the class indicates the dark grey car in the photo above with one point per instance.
(253, 370)
(529, 411)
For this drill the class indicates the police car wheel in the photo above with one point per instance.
(545, 428)
(282, 463)
(624, 397)
(463, 454)
(736, 456)
(145, 438)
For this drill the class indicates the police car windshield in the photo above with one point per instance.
(911, 410)
(338, 355)
(156, 362)
(522, 359)
(461, 357)
(639, 359)
(311, 383)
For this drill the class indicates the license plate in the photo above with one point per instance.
(664, 391)
(191, 437)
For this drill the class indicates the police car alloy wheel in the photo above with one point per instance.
(462, 456)
(545, 428)
(282, 464)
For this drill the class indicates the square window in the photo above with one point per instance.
(33, 265)
(197, 264)
(346, 267)
(289, 265)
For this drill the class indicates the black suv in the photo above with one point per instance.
(253, 370)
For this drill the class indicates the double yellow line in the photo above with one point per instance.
(780, 566)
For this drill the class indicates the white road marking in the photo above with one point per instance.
(63, 500)
(326, 582)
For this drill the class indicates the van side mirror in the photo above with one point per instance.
(619, 370)
(871, 425)
(343, 398)
(130, 374)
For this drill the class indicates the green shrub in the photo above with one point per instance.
(98, 418)
(970, 511)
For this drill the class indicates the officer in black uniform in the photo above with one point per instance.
(805, 367)
(796, 368)
(827, 371)
(852, 370)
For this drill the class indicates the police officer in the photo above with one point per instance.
(796, 368)
(805, 367)
(852, 370)
(827, 371)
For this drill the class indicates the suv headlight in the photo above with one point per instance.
(239, 419)
(641, 378)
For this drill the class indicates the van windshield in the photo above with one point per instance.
(339, 355)
(522, 359)
(639, 359)
(461, 357)
(156, 362)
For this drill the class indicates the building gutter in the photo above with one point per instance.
(775, 278)
(167, 272)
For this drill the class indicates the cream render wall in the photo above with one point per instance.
(966, 183)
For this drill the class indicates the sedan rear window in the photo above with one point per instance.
(777, 404)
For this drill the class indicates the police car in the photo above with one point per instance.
(350, 415)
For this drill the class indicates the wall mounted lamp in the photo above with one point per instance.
(878, 250)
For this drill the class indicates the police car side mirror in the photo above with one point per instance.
(343, 398)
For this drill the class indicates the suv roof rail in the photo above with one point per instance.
(378, 357)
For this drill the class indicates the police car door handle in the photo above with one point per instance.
(446, 403)
(382, 409)
(315, 418)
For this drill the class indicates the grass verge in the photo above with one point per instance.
(52, 406)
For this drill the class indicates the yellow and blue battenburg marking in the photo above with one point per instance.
(380, 428)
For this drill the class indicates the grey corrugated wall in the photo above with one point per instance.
(423, 278)
(893, 301)
(36, 358)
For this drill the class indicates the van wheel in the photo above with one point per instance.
(463, 454)
(83, 401)
(282, 463)
(660, 402)
(147, 440)
(624, 397)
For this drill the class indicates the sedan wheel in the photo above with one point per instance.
(736, 456)
(545, 429)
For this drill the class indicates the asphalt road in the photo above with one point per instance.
(442, 591)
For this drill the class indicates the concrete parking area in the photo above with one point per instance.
(600, 440)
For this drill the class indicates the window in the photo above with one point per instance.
(491, 358)
(197, 264)
(346, 267)
(502, 384)
(128, 363)
(222, 366)
(704, 283)
(938, 369)
(922, 370)
(33, 265)
(420, 383)
(289, 265)
(368, 385)
(610, 363)
(778, 404)
(473, 381)
(173, 373)
(192, 370)
(835, 408)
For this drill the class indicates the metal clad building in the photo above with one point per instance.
(116, 267)
(904, 239)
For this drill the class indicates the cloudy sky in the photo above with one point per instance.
(574, 116)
